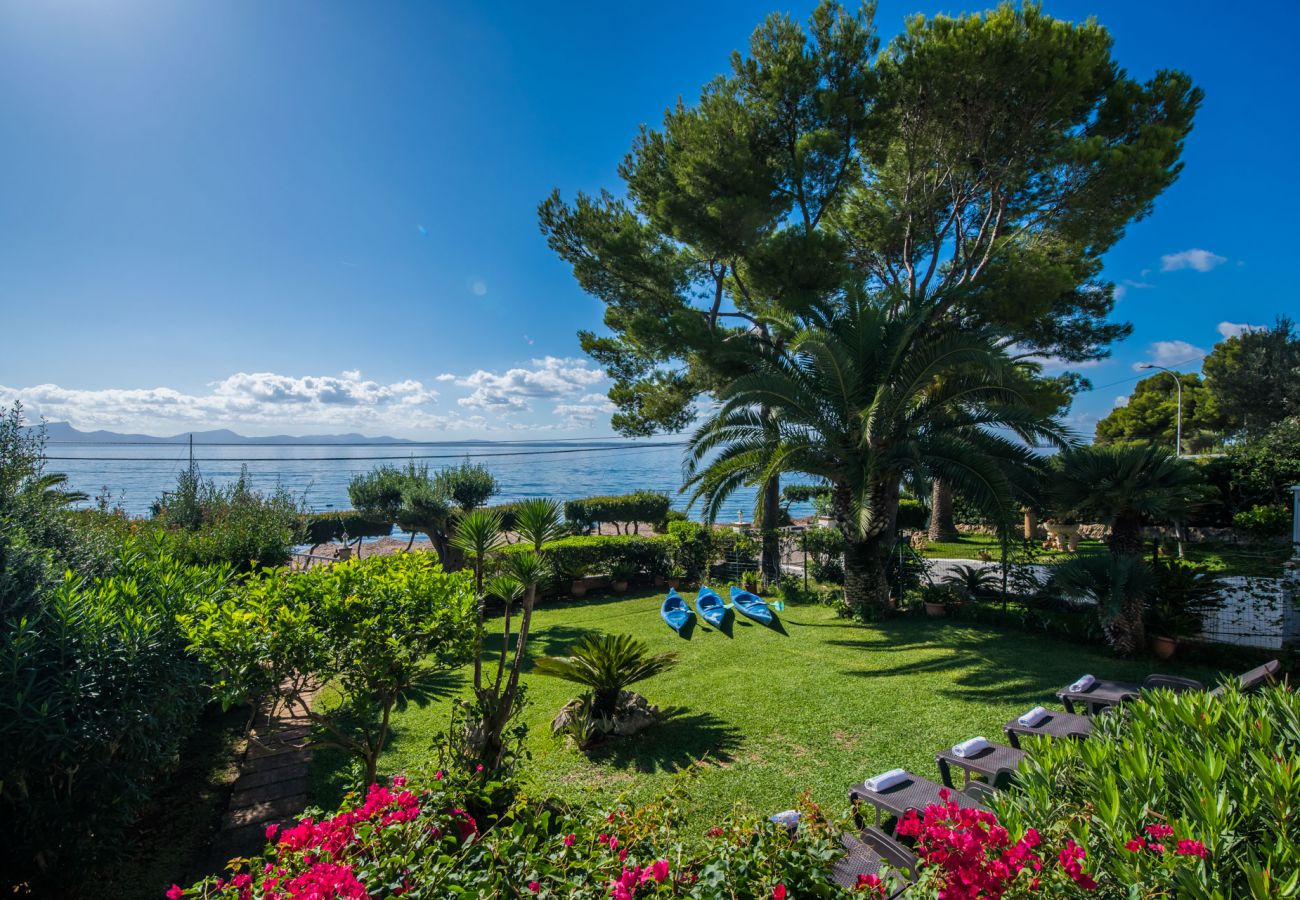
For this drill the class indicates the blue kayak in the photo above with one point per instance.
(710, 606)
(751, 605)
(675, 611)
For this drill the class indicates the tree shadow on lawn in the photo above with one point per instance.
(676, 742)
(989, 664)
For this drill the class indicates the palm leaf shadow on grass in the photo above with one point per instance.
(679, 740)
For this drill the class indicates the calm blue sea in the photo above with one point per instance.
(134, 475)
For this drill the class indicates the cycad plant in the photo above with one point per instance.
(866, 394)
(607, 664)
(1124, 486)
(1119, 585)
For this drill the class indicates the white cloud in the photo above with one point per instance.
(445, 376)
(1121, 400)
(1171, 354)
(256, 402)
(550, 378)
(1200, 260)
(1236, 329)
(1120, 291)
(478, 287)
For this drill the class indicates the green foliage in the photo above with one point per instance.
(1262, 470)
(372, 628)
(973, 582)
(1215, 769)
(1119, 584)
(692, 548)
(1264, 521)
(1151, 414)
(329, 527)
(804, 493)
(235, 524)
(1124, 486)
(96, 698)
(1184, 592)
(572, 557)
(468, 485)
(626, 509)
(912, 514)
(608, 664)
(1255, 377)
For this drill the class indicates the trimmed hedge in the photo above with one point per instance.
(912, 515)
(624, 509)
(573, 557)
(325, 527)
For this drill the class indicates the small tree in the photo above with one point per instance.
(373, 628)
(607, 664)
(420, 502)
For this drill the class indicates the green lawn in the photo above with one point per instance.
(765, 713)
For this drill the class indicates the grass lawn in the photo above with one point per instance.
(765, 713)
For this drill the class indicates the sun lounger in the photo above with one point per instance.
(1103, 693)
(1054, 724)
(995, 762)
(912, 792)
(868, 853)
(1256, 677)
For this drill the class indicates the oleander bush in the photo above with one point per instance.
(625, 511)
(423, 839)
(1192, 795)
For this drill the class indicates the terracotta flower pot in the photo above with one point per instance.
(674, 583)
(1163, 647)
(935, 610)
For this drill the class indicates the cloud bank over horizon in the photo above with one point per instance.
(550, 394)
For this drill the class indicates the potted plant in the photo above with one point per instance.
(935, 598)
(751, 581)
(676, 572)
(621, 573)
(578, 587)
(1184, 593)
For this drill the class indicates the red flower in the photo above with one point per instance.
(659, 869)
(1071, 861)
(271, 831)
(622, 854)
(715, 831)
(1138, 843)
(534, 886)
(399, 781)
(1192, 848)
(175, 892)
(438, 775)
(1158, 831)
(870, 883)
(569, 839)
(778, 892)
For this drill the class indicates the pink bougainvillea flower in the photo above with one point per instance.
(602, 839)
(271, 831)
(175, 892)
(569, 839)
(399, 781)
(613, 842)
(659, 869)
(715, 831)
(438, 775)
(478, 768)
(1189, 847)
(1071, 859)
(622, 854)
(534, 887)
(778, 892)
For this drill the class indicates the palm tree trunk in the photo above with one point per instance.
(771, 557)
(866, 585)
(1126, 536)
(942, 525)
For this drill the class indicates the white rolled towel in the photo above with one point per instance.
(1033, 717)
(885, 780)
(788, 819)
(1083, 684)
(971, 747)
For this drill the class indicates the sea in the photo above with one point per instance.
(133, 476)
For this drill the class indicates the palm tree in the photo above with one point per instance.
(865, 395)
(608, 664)
(478, 533)
(1123, 486)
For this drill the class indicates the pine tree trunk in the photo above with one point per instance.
(942, 526)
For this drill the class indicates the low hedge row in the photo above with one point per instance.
(574, 557)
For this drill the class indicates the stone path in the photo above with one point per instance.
(271, 788)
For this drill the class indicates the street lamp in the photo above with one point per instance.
(1178, 382)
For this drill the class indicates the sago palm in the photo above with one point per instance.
(1119, 585)
(608, 664)
(865, 395)
(1124, 485)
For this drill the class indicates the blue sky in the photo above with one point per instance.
(310, 217)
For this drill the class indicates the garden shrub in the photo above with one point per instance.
(430, 840)
(1191, 795)
(573, 557)
(369, 627)
(207, 524)
(1263, 521)
(97, 695)
(620, 510)
(329, 527)
(694, 546)
(912, 515)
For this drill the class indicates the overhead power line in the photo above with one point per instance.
(462, 455)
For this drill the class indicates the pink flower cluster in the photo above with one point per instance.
(870, 884)
(333, 835)
(625, 885)
(1152, 842)
(975, 853)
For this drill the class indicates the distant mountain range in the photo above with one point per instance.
(62, 432)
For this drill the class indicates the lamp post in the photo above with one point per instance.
(1178, 427)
